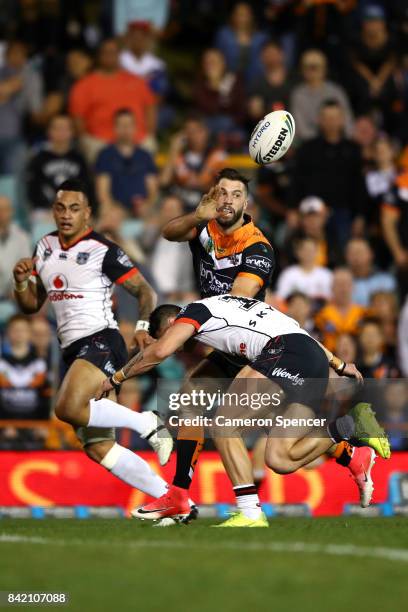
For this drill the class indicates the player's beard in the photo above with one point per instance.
(230, 222)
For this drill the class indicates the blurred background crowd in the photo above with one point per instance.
(145, 101)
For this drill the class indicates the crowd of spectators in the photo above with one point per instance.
(146, 102)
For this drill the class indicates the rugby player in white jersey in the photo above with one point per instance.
(76, 268)
(278, 350)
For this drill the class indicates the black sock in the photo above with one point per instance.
(342, 428)
(346, 455)
(188, 452)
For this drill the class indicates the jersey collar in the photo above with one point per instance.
(66, 247)
(240, 234)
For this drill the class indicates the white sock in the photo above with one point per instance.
(106, 413)
(134, 470)
(248, 501)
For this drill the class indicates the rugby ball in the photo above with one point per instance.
(272, 137)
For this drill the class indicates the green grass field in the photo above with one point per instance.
(307, 564)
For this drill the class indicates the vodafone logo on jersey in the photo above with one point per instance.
(58, 284)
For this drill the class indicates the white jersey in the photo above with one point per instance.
(79, 282)
(237, 325)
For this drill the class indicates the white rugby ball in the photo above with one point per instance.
(272, 137)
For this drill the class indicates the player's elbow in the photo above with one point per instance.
(168, 233)
(162, 352)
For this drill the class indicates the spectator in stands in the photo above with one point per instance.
(373, 61)
(14, 244)
(42, 338)
(241, 43)
(96, 98)
(395, 415)
(78, 63)
(311, 221)
(394, 220)
(24, 385)
(125, 172)
(299, 307)
(219, 95)
(306, 276)
(270, 91)
(21, 95)
(192, 163)
(56, 162)
(380, 178)
(323, 24)
(340, 315)
(367, 280)
(272, 192)
(384, 307)
(308, 97)
(373, 361)
(138, 58)
(170, 262)
(365, 134)
(111, 224)
(329, 167)
(346, 348)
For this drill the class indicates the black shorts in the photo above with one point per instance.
(298, 365)
(106, 349)
(229, 365)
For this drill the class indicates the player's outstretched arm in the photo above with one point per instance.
(138, 286)
(182, 229)
(145, 360)
(30, 294)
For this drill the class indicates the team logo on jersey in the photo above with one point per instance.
(263, 264)
(58, 282)
(124, 259)
(82, 258)
(47, 253)
(209, 247)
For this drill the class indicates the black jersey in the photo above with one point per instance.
(218, 258)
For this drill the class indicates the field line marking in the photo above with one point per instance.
(350, 550)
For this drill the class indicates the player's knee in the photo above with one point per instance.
(98, 450)
(279, 462)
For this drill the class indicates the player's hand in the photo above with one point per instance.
(141, 340)
(207, 208)
(23, 269)
(104, 390)
(352, 372)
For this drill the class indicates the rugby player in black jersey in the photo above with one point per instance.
(230, 255)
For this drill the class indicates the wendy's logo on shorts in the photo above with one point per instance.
(295, 379)
(58, 282)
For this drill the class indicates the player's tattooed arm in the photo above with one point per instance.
(145, 360)
(30, 293)
(137, 286)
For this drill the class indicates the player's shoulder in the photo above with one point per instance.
(256, 237)
(101, 239)
(257, 245)
(48, 241)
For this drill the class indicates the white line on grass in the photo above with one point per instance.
(342, 550)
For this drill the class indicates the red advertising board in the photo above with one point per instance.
(47, 478)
